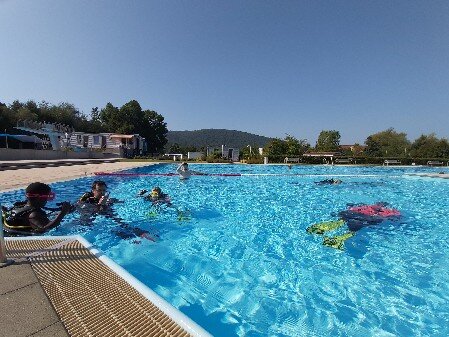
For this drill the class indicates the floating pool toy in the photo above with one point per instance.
(322, 227)
(375, 210)
(364, 215)
(338, 241)
(355, 217)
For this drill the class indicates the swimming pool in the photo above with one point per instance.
(234, 255)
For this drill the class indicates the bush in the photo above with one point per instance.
(255, 160)
(275, 159)
(216, 159)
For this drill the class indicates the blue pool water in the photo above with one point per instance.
(234, 255)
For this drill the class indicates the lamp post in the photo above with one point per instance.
(250, 152)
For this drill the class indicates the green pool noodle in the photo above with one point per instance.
(322, 227)
(337, 242)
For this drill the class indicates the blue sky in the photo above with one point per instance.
(267, 67)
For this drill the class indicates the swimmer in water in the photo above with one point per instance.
(331, 181)
(185, 173)
(156, 196)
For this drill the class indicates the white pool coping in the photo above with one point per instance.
(176, 315)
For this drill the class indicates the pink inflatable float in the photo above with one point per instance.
(375, 210)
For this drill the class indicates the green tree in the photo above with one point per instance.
(443, 148)
(8, 119)
(63, 113)
(244, 152)
(429, 146)
(32, 107)
(249, 151)
(296, 147)
(16, 106)
(276, 148)
(373, 147)
(26, 114)
(155, 132)
(289, 147)
(175, 148)
(187, 149)
(328, 140)
(131, 119)
(95, 115)
(388, 143)
(110, 118)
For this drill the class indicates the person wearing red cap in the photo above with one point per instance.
(29, 216)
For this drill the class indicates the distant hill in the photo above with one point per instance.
(215, 138)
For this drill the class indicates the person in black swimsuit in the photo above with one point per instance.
(97, 195)
(97, 201)
(29, 216)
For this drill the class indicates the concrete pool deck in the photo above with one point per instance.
(67, 291)
(61, 286)
(26, 309)
(20, 178)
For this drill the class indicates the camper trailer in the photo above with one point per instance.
(123, 145)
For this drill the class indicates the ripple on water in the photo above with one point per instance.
(240, 256)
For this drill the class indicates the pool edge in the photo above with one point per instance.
(174, 314)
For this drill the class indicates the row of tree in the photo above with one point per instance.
(128, 119)
(131, 119)
(384, 144)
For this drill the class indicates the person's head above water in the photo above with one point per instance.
(99, 188)
(38, 194)
(156, 191)
(184, 167)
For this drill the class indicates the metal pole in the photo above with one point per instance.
(3, 260)
(6, 139)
